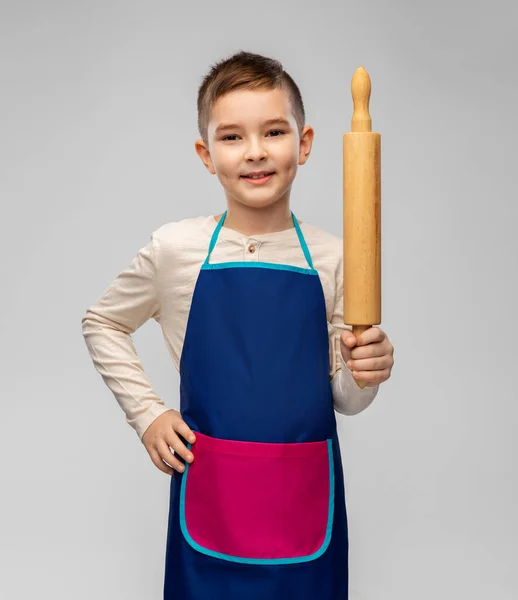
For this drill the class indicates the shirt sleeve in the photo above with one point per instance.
(348, 397)
(129, 301)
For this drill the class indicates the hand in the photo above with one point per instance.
(161, 434)
(372, 359)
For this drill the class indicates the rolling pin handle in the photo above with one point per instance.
(361, 93)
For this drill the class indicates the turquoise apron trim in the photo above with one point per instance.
(267, 265)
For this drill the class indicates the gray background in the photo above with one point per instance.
(98, 110)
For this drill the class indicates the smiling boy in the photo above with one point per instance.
(250, 305)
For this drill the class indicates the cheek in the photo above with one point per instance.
(227, 162)
(292, 163)
(222, 166)
(286, 159)
(293, 156)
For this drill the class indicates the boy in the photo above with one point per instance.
(254, 326)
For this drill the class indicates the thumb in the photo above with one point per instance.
(348, 341)
(348, 338)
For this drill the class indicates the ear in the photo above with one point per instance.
(204, 154)
(306, 140)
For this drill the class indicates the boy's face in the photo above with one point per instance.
(252, 144)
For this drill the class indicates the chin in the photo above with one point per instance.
(261, 204)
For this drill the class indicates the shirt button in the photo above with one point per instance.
(251, 248)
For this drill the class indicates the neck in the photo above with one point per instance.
(249, 220)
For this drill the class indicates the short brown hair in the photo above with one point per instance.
(245, 70)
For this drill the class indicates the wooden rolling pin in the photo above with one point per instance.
(362, 214)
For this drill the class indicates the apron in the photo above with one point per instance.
(260, 513)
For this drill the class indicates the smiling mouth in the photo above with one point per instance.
(258, 179)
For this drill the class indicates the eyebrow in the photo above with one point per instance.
(279, 120)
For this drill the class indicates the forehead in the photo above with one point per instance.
(250, 108)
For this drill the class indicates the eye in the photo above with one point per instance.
(233, 135)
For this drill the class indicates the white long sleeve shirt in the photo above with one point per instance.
(159, 283)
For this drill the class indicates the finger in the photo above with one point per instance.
(369, 364)
(371, 377)
(179, 447)
(166, 455)
(373, 334)
(360, 376)
(159, 463)
(184, 430)
(370, 351)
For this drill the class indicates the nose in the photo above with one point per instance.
(255, 151)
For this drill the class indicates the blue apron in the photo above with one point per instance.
(260, 513)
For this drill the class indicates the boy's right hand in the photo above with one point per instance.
(162, 433)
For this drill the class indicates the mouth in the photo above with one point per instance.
(258, 179)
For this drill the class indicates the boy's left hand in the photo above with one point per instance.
(370, 358)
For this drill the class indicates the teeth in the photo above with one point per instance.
(257, 176)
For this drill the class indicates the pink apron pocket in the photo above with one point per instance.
(259, 503)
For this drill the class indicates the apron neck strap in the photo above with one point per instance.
(302, 241)
(300, 235)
